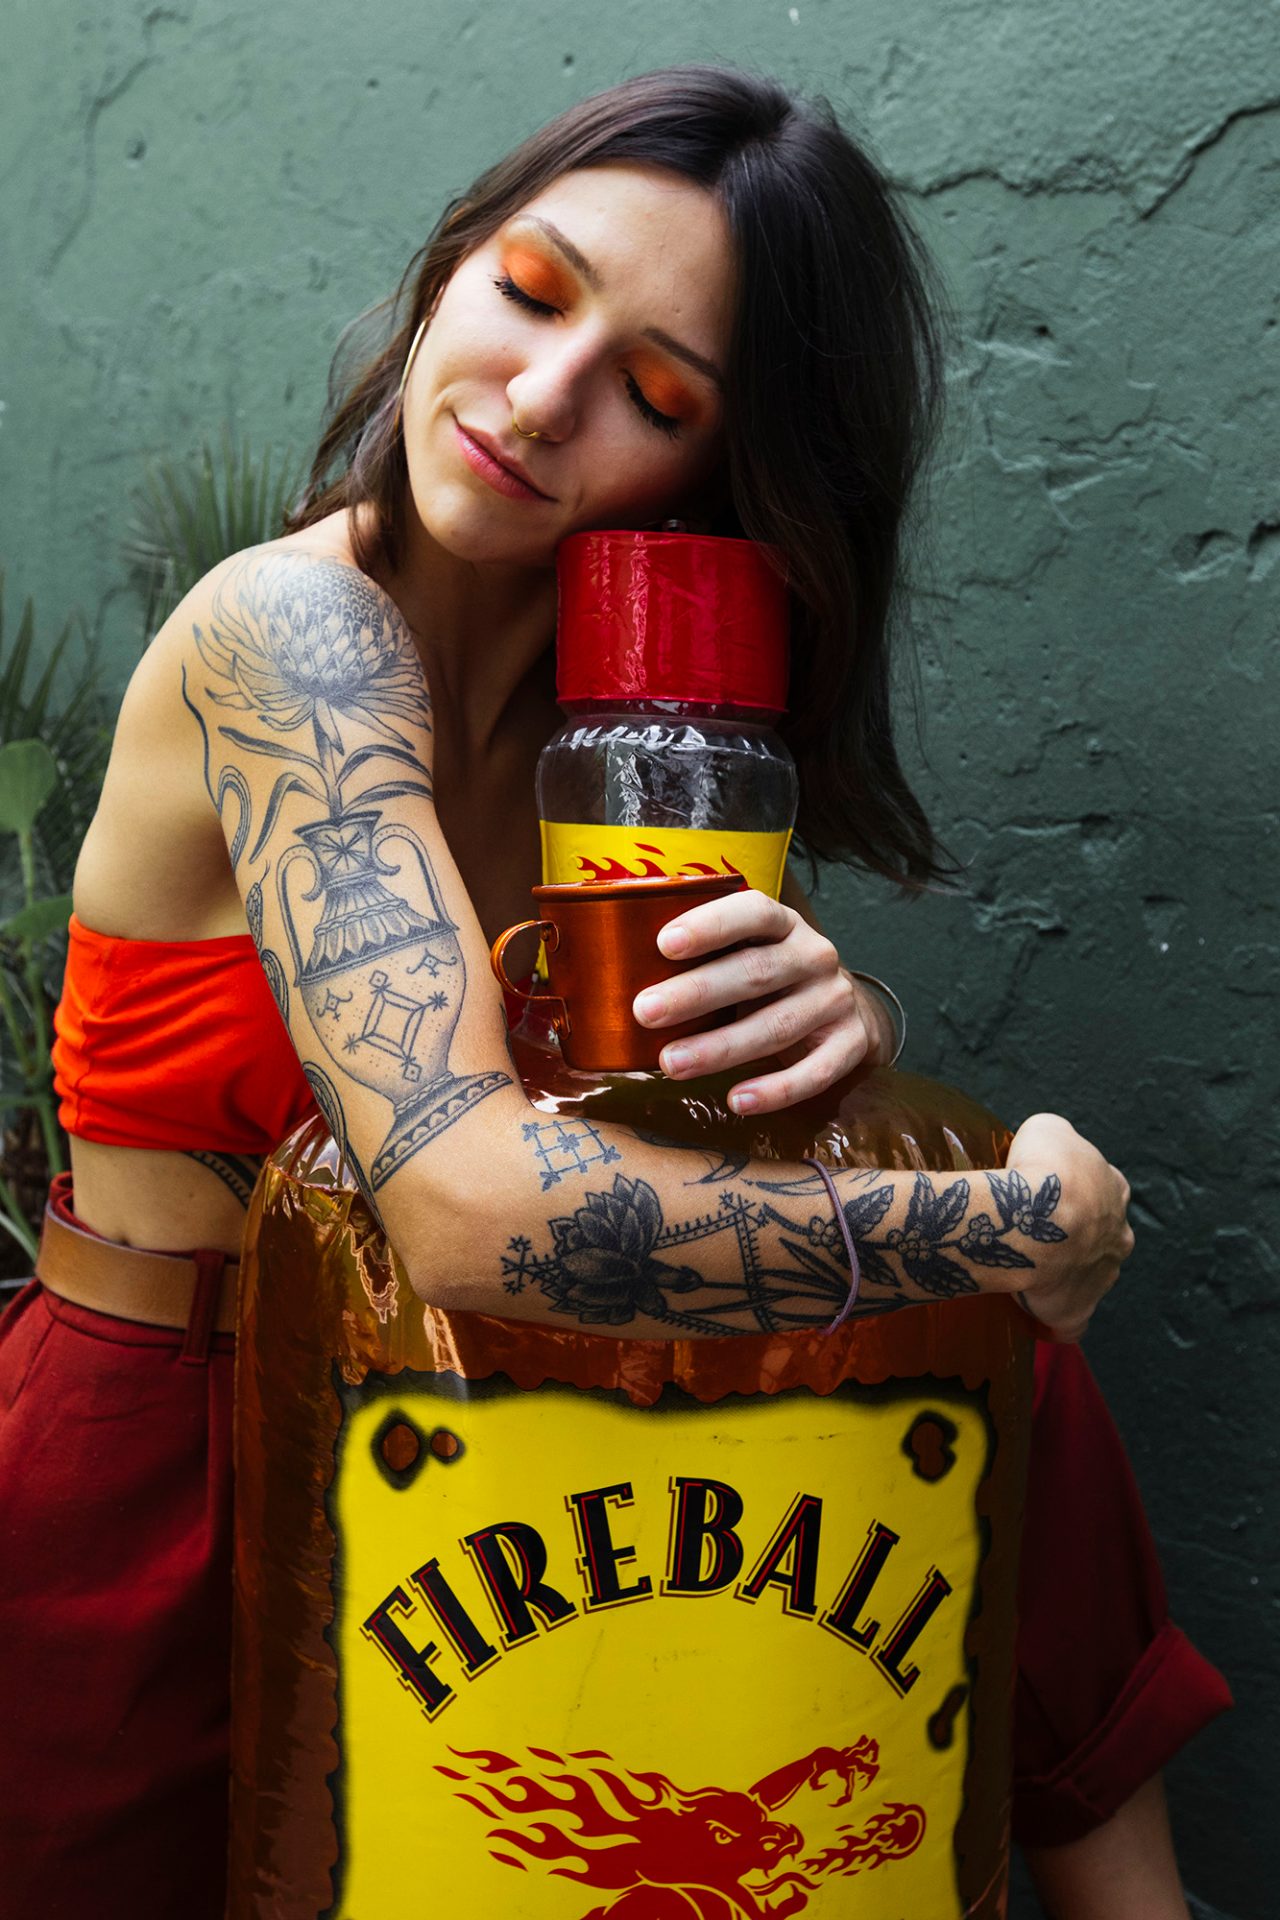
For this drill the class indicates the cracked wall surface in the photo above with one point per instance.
(198, 197)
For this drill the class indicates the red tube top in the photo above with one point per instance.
(175, 1044)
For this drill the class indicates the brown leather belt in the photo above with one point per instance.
(195, 1291)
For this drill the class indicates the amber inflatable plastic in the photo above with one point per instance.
(544, 1625)
(540, 1625)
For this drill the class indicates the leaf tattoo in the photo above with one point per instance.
(1019, 1210)
(922, 1245)
(606, 1264)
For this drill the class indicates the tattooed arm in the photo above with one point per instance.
(749, 1246)
(303, 690)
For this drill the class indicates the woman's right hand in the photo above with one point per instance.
(1072, 1274)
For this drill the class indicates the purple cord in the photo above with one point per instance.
(855, 1270)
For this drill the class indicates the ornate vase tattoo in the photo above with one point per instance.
(303, 649)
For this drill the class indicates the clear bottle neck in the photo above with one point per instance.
(693, 710)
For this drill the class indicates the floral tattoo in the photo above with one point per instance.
(322, 677)
(313, 647)
(608, 1261)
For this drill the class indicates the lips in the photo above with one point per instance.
(498, 452)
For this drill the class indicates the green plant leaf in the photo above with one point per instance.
(39, 920)
(67, 708)
(20, 1230)
(188, 515)
(28, 775)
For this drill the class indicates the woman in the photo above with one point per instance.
(689, 296)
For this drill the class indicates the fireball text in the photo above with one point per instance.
(706, 1556)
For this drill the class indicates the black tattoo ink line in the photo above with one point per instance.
(562, 1147)
(604, 1265)
(932, 1216)
(316, 644)
(312, 647)
(732, 1166)
(238, 1172)
(275, 979)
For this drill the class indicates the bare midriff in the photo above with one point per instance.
(166, 1202)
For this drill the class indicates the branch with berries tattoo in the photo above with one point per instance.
(609, 1260)
(922, 1245)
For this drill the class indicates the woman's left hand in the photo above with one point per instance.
(815, 1017)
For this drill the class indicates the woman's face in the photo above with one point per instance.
(599, 316)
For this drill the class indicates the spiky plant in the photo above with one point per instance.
(67, 709)
(54, 740)
(188, 515)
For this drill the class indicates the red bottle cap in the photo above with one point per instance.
(670, 616)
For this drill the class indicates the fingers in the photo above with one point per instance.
(1068, 1304)
(750, 915)
(1065, 1320)
(806, 1017)
(725, 982)
(803, 1080)
(749, 974)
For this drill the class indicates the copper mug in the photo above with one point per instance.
(600, 939)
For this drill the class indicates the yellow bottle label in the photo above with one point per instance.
(590, 1651)
(575, 852)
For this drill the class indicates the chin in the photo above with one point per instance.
(469, 530)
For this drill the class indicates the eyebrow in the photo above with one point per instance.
(578, 260)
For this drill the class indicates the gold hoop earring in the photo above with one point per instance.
(408, 368)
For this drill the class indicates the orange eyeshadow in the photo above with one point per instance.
(542, 280)
(662, 390)
(535, 275)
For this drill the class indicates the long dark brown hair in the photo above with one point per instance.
(832, 399)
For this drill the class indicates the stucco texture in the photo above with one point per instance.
(198, 196)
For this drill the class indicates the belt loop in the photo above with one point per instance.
(61, 1197)
(210, 1262)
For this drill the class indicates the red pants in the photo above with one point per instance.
(115, 1600)
(1108, 1688)
(115, 1617)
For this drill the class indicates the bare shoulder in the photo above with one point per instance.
(283, 602)
(277, 649)
(273, 626)
(294, 640)
(285, 637)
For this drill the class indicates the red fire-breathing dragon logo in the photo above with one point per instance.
(663, 1852)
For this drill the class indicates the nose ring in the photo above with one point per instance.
(523, 434)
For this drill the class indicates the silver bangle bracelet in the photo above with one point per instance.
(895, 1004)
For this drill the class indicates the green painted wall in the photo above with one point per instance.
(196, 197)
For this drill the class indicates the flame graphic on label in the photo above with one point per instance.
(711, 1853)
(658, 865)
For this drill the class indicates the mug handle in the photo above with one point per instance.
(551, 934)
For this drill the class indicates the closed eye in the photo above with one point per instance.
(663, 421)
(507, 286)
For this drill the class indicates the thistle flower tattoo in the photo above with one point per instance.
(309, 647)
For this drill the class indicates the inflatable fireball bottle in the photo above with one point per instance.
(536, 1624)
